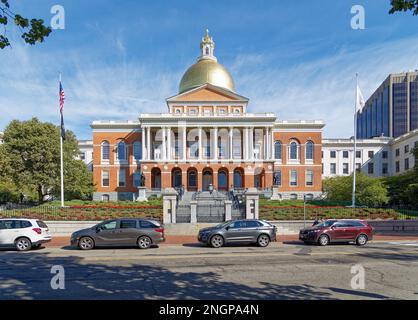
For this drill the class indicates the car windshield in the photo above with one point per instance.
(326, 224)
(222, 225)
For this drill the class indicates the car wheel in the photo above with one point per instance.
(144, 242)
(361, 240)
(86, 243)
(323, 240)
(263, 240)
(23, 244)
(217, 241)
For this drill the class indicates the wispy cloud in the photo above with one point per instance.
(313, 89)
(322, 88)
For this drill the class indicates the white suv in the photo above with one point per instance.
(23, 234)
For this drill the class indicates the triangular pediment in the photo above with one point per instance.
(207, 92)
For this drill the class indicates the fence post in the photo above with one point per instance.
(193, 211)
(169, 205)
(251, 199)
(228, 210)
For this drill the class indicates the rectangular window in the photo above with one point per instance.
(384, 168)
(397, 167)
(345, 168)
(309, 177)
(384, 154)
(138, 151)
(137, 179)
(333, 154)
(406, 164)
(122, 178)
(345, 154)
(82, 156)
(370, 168)
(333, 168)
(406, 148)
(277, 178)
(397, 152)
(293, 178)
(105, 179)
(358, 166)
(358, 154)
(371, 154)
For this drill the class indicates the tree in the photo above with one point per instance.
(403, 189)
(33, 31)
(369, 191)
(404, 5)
(31, 153)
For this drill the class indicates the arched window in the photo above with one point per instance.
(294, 151)
(105, 150)
(137, 150)
(277, 150)
(309, 153)
(121, 150)
(238, 179)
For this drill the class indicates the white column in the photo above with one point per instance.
(200, 144)
(168, 143)
(163, 155)
(245, 143)
(149, 147)
(271, 144)
(184, 143)
(144, 149)
(215, 144)
(251, 140)
(231, 141)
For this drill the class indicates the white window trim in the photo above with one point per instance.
(118, 186)
(104, 161)
(103, 186)
(290, 178)
(306, 178)
(297, 160)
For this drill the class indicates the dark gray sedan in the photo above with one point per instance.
(120, 232)
(239, 231)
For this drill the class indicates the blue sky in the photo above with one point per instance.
(120, 58)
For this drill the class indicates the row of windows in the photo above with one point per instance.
(370, 168)
(294, 150)
(333, 154)
(293, 181)
(122, 150)
(136, 178)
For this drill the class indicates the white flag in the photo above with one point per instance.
(359, 100)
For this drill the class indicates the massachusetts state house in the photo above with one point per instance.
(206, 139)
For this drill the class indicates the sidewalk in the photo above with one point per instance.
(179, 239)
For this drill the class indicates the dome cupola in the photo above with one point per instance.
(207, 69)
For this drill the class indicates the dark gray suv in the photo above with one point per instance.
(239, 231)
(120, 232)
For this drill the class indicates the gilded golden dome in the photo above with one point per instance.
(207, 70)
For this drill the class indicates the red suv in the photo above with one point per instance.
(357, 231)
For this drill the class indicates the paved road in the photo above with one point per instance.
(281, 271)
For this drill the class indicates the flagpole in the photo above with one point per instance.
(353, 198)
(62, 164)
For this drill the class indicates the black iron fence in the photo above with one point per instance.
(271, 212)
(209, 213)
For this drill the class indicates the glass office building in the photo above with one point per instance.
(392, 110)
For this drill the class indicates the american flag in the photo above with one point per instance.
(62, 98)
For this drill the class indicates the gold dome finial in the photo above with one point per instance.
(207, 38)
(207, 69)
(207, 47)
